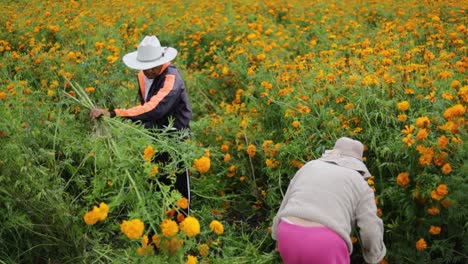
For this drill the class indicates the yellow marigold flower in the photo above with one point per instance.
(191, 260)
(295, 123)
(204, 249)
(421, 244)
(408, 129)
(182, 203)
(402, 117)
(169, 228)
(103, 211)
(433, 211)
(251, 149)
(403, 179)
(97, 214)
(422, 134)
(434, 230)
(349, 106)
(91, 218)
(448, 96)
(217, 227)
(202, 164)
(423, 122)
(190, 226)
(446, 169)
(133, 228)
(408, 139)
(271, 163)
(148, 153)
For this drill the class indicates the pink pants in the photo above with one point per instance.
(311, 244)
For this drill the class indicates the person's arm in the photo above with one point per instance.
(370, 228)
(284, 202)
(158, 106)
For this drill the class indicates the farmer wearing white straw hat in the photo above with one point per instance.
(324, 202)
(162, 95)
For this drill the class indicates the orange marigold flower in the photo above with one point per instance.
(148, 153)
(403, 106)
(202, 164)
(169, 228)
(354, 239)
(446, 203)
(172, 245)
(403, 179)
(3, 95)
(442, 189)
(146, 249)
(441, 159)
(217, 227)
(227, 157)
(433, 211)
(154, 171)
(425, 159)
(423, 122)
(408, 129)
(402, 118)
(133, 228)
(421, 244)
(446, 169)
(90, 89)
(434, 230)
(442, 141)
(295, 123)
(182, 203)
(422, 134)
(232, 171)
(224, 148)
(190, 226)
(436, 196)
(454, 111)
(251, 149)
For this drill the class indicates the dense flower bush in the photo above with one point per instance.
(272, 84)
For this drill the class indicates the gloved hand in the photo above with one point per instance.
(97, 112)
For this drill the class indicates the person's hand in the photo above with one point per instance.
(97, 112)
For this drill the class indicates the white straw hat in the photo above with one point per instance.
(347, 153)
(149, 54)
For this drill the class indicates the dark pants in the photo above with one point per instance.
(182, 183)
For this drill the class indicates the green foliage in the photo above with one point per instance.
(272, 83)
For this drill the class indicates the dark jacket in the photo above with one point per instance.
(167, 99)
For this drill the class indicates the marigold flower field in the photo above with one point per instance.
(272, 85)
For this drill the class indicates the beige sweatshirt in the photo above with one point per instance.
(338, 198)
